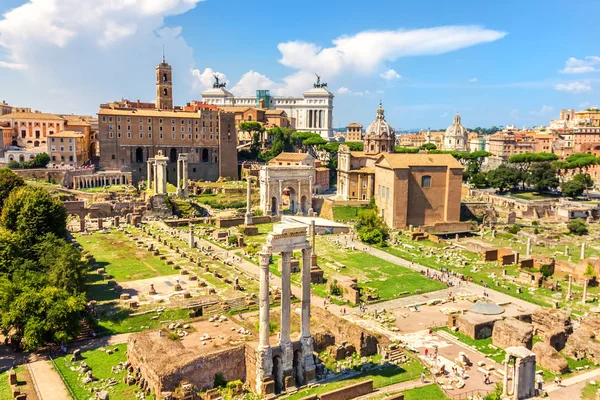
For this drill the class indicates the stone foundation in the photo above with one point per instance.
(511, 332)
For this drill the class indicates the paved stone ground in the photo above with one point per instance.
(49, 384)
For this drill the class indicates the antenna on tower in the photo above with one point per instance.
(163, 54)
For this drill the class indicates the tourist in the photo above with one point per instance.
(422, 377)
(426, 352)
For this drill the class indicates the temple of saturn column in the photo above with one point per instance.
(521, 375)
(290, 363)
(157, 174)
(182, 176)
(294, 179)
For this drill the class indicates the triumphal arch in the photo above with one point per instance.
(290, 182)
(290, 363)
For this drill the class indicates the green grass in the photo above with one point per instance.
(113, 320)
(589, 392)
(346, 213)
(108, 189)
(429, 392)
(386, 376)
(533, 196)
(121, 259)
(5, 392)
(101, 364)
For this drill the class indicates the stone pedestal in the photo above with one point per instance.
(250, 230)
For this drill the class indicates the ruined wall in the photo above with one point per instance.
(229, 222)
(512, 332)
(349, 392)
(476, 328)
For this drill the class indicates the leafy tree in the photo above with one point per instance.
(580, 162)
(371, 229)
(542, 176)
(514, 229)
(314, 141)
(577, 227)
(41, 160)
(61, 264)
(8, 181)
(400, 149)
(479, 180)
(282, 141)
(428, 146)
(32, 212)
(572, 189)
(503, 177)
(589, 271)
(525, 161)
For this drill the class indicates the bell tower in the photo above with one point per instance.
(164, 86)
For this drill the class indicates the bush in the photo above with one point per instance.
(514, 229)
(173, 336)
(335, 289)
(577, 227)
(546, 270)
(232, 240)
(220, 380)
(536, 230)
(12, 164)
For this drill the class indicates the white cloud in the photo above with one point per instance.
(543, 111)
(250, 82)
(444, 115)
(366, 50)
(206, 79)
(46, 43)
(577, 66)
(390, 74)
(573, 87)
(344, 90)
(472, 80)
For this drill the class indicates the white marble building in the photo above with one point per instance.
(313, 111)
(456, 136)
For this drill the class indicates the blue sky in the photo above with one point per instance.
(495, 62)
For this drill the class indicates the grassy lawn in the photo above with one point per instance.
(388, 279)
(108, 189)
(5, 392)
(258, 240)
(346, 213)
(589, 392)
(385, 376)
(113, 320)
(100, 363)
(121, 259)
(429, 392)
(533, 196)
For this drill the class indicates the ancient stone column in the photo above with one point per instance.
(154, 178)
(161, 175)
(306, 338)
(528, 252)
(505, 379)
(248, 216)
(186, 190)
(192, 239)
(82, 223)
(178, 193)
(285, 342)
(299, 198)
(280, 199)
(264, 356)
(585, 286)
(566, 250)
(582, 256)
(309, 198)
(570, 287)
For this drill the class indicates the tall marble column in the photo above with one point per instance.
(585, 287)
(178, 193)
(505, 379)
(309, 198)
(582, 256)
(264, 355)
(192, 239)
(285, 342)
(528, 253)
(280, 199)
(306, 338)
(569, 293)
(186, 190)
(299, 198)
(149, 172)
(248, 216)
(155, 179)
(161, 175)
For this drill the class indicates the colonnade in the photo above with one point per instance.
(157, 174)
(102, 179)
(316, 118)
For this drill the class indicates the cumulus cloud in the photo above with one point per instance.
(250, 82)
(542, 111)
(47, 45)
(366, 50)
(577, 66)
(390, 74)
(573, 87)
(472, 80)
(345, 91)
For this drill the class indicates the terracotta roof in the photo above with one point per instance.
(275, 112)
(149, 113)
(77, 123)
(31, 115)
(322, 169)
(72, 134)
(400, 160)
(234, 109)
(291, 157)
(354, 125)
(364, 170)
(361, 154)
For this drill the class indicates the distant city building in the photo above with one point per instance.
(266, 117)
(354, 132)
(313, 112)
(411, 140)
(68, 148)
(456, 137)
(129, 136)
(5, 108)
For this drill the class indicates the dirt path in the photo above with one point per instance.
(47, 381)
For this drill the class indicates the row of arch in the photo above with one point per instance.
(11, 157)
(138, 155)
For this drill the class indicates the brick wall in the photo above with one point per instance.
(350, 392)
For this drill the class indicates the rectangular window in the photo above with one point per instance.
(149, 120)
(118, 119)
(70, 148)
(160, 121)
(62, 148)
(140, 120)
(70, 158)
(118, 134)
(104, 118)
(128, 127)
(128, 119)
(190, 136)
(426, 181)
(173, 129)
(141, 135)
(182, 136)
(141, 127)
(173, 136)
(53, 148)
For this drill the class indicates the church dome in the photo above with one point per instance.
(380, 127)
(456, 129)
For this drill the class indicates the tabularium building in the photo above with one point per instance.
(313, 112)
(132, 132)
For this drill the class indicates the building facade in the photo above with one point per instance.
(456, 137)
(68, 148)
(354, 132)
(313, 112)
(129, 136)
(418, 189)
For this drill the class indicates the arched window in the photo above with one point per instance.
(164, 77)
(426, 181)
(139, 155)
(165, 92)
(204, 155)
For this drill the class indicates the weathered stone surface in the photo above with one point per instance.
(547, 357)
(550, 320)
(511, 332)
(583, 342)
(322, 340)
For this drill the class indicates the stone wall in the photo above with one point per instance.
(547, 357)
(349, 392)
(229, 222)
(476, 327)
(584, 343)
(511, 332)
(473, 210)
(63, 177)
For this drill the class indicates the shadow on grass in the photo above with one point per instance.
(113, 313)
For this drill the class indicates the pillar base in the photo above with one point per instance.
(264, 371)
(289, 382)
(310, 376)
(248, 218)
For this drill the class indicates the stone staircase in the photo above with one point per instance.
(237, 304)
(85, 333)
(396, 356)
(211, 310)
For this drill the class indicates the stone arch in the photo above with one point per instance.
(36, 143)
(205, 157)
(278, 374)
(21, 157)
(173, 155)
(303, 205)
(298, 368)
(274, 205)
(139, 155)
(290, 193)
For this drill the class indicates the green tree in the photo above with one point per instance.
(32, 212)
(41, 160)
(525, 161)
(572, 189)
(580, 162)
(61, 264)
(542, 176)
(371, 229)
(503, 177)
(479, 180)
(282, 142)
(314, 141)
(254, 129)
(8, 181)
(400, 149)
(428, 146)
(577, 226)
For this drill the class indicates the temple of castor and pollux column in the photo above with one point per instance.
(270, 365)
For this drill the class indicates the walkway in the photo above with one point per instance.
(571, 387)
(47, 381)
